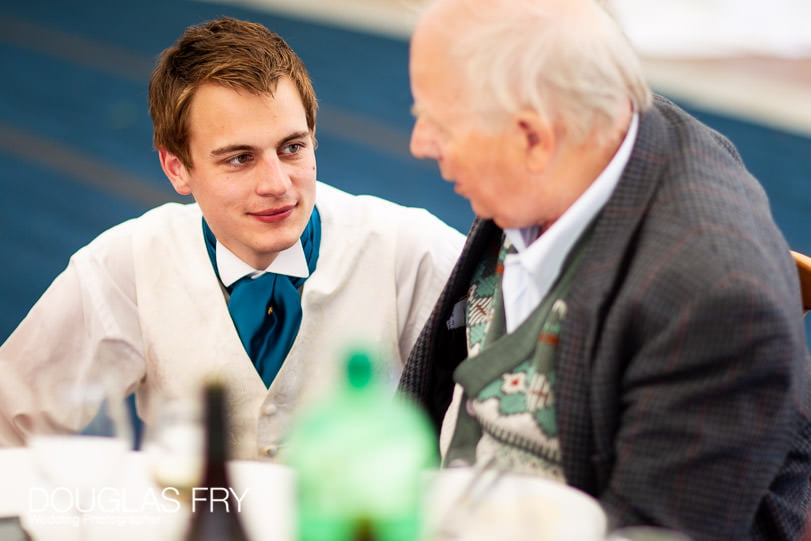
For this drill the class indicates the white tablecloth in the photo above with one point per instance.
(505, 507)
(134, 509)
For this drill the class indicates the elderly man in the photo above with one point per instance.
(625, 316)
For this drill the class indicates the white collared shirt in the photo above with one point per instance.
(530, 273)
(290, 261)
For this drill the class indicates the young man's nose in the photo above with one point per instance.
(272, 179)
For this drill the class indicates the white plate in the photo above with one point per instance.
(511, 507)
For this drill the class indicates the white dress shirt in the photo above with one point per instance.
(290, 262)
(530, 273)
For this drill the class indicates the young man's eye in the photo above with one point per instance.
(292, 148)
(239, 159)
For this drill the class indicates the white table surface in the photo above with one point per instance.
(512, 506)
(266, 513)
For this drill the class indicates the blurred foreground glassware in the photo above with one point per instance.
(174, 445)
(79, 468)
(485, 502)
(463, 507)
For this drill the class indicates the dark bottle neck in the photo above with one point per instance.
(216, 437)
(363, 530)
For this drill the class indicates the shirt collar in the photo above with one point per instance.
(290, 261)
(556, 241)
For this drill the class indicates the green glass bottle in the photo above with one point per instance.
(359, 457)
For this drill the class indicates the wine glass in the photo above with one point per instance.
(83, 456)
(174, 447)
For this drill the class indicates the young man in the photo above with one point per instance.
(625, 316)
(260, 283)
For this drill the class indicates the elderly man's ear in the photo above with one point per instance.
(537, 139)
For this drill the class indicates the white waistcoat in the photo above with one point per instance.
(380, 270)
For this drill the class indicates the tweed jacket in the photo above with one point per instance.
(682, 392)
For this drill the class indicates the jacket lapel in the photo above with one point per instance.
(428, 374)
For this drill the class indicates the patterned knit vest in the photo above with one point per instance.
(508, 413)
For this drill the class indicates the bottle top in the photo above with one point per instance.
(359, 369)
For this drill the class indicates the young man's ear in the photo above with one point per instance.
(537, 138)
(175, 171)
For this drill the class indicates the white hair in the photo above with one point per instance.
(570, 64)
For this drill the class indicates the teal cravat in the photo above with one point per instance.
(266, 311)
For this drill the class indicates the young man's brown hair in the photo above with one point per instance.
(233, 53)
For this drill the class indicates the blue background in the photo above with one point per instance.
(75, 136)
